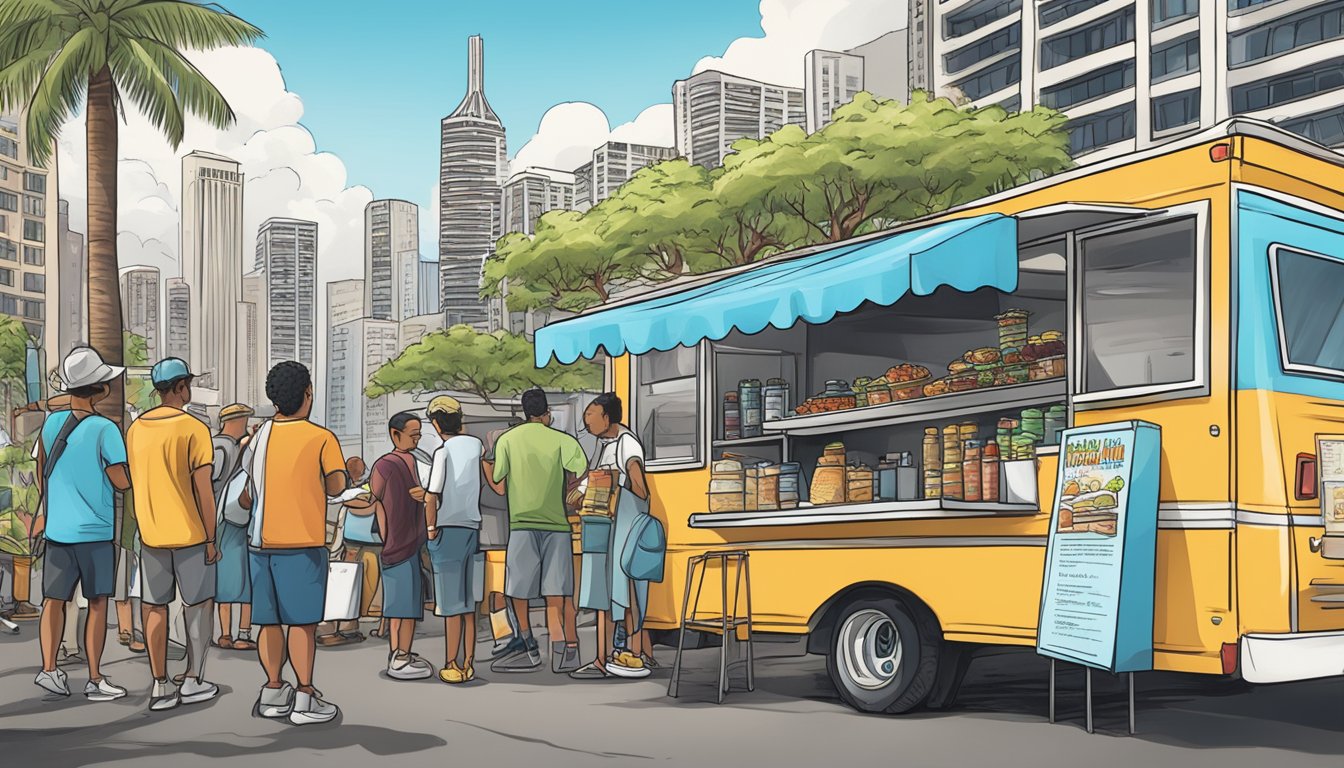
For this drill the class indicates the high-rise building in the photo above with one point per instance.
(177, 342)
(583, 186)
(834, 78)
(140, 306)
(616, 161)
(413, 329)
(1130, 75)
(287, 254)
(427, 288)
(391, 248)
(919, 31)
(29, 240)
(345, 301)
(473, 164)
(714, 109)
(355, 350)
(74, 284)
(211, 254)
(254, 352)
(529, 194)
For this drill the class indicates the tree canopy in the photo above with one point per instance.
(878, 163)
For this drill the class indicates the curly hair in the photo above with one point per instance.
(286, 385)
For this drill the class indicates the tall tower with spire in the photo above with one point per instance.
(473, 165)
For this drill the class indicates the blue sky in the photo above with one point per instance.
(376, 78)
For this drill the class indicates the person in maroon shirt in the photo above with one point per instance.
(395, 485)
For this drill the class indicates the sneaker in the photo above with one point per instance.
(593, 671)
(103, 690)
(408, 666)
(196, 690)
(54, 681)
(507, 647)
(524, 660)
(628, 665)
(276, 702)
(310, 709)
(163, 696)
(565, 659)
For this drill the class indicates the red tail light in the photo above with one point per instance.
(1304, 486)
(1229, 658)
(1220, 152)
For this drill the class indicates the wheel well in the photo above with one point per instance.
(823, 620)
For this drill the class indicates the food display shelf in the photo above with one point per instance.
(950, 405)
(866, 512)
(745, 441)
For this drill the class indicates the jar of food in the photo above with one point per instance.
(1033, 421)
(752, 407)
(776, 399)
(732, 417)
(879, 392)
(861, 391)
(933, 483)
(1056, 421)
(1004, 436)
(932, 450)
(970, 471)
(790, 476)
(952, 486)
(989, 472)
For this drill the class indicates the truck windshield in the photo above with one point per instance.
(1310, 306)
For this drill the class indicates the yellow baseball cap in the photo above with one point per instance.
(444, 404)
(235, 411)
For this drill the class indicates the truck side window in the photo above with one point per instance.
(667, 409)
(1309, 303)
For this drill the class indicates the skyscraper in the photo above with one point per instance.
(140, 306)
(529, 194)
(427, 288)
(211, 253)
(355, 350)
(29, 240)
(178, 341)
(287, 251)
(345, 301)
(833, 78)
(391, 248)
(74, 283)
(583, 186)
(616, 161)
(473, 163)
(714, 109)
(254, 353)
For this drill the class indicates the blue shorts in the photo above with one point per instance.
(459, 570)
(289, 586)
(233, 578)
(91, 564)
(403, 590)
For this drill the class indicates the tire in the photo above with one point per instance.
(883, 657)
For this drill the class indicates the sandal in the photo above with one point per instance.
(244, 642)
(223, 643)
(125, 638)
(137, 642)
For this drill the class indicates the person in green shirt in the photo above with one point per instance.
(529, 470)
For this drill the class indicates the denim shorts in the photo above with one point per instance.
(289, 586)
(92, 565)
(459, 570)
(404, 590)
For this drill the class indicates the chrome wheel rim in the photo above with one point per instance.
(869, 649)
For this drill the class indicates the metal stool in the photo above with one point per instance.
(728, 621)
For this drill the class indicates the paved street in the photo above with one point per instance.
(540, 719)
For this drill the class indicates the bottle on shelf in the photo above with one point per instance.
(989, 472)
(732, 417)
(970, 471)
(751, 406)
(952, 484)
(776, 397)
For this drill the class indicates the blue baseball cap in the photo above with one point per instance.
(169, 370)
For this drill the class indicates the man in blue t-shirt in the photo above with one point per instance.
(81, 461)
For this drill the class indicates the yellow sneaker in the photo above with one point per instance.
(452, 675)
(469, 674)
(626, 664)
(628, 659)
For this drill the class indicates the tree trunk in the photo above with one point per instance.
(105, 333)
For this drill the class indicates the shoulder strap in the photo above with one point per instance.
(58, 445)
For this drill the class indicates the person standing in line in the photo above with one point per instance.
(81, 462)
(175, 509)
(232, 582)
(296, 465)
(398, 498)
(356, 543)
(453, 520)
(529, 469)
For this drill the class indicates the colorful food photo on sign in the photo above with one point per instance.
(1090, 499)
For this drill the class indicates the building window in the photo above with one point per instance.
(1241, 5)
(33, 256)
(9, 305)
(991, 80)
(9, 147)
(1100, 129)
(1176, 59)
(1059, 10)
(667, 404)
(34, 182)
(33, 310)
(8, 250)
(1176, 110)
(1292, 86)
(1310, 310)
(1012, 105)
(969, 56)
(8, 201)
(977, 15)
(1113, 30)
(34, 230)
(4, 224)
(1139, 307)
(1171, 11)
(1094, 85)
(6, 277)
(1289, 33)
(33, 282)
(1325, 128)
(34, 206)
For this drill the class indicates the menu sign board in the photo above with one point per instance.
(1097, 596)
(1330, 464)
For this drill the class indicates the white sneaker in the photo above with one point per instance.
(103, 690)
(194, 691)
(310, 709)
(54, 682)
(276, 702)
(408, 666)
(163, 696)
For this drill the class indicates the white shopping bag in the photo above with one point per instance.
(343, 587)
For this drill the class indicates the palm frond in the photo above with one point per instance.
(195, 94)
(19, 79)
(22, 39)
(14, 12)
(60, 91)
(180, 24)
(140, 79)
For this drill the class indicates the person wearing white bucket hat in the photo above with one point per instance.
(81, 462)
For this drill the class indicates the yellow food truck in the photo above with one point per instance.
(1198, 286)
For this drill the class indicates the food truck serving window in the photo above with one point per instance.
(1140, 300)
(1309, 304)
(666, 408)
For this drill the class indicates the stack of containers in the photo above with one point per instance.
(762, 488)
(932, 464)
(829, 482)
(732, 417)
(776, 399)
(1056, 421)
(790, 483)
(970, 470)
(727, 486)
(952, 485)
(752, 407)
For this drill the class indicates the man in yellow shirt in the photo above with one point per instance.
(171, 455)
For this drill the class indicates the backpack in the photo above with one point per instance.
(645, 550)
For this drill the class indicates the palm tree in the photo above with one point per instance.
(55, 52)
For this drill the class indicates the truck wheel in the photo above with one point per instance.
(883, 657)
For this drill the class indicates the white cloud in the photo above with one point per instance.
(652, 126)
(569, 132)
(791, 28)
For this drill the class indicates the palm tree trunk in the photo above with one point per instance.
(104, 287)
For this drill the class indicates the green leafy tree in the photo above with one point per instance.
(55, 53)
(140, 393)
(664, 222)
(17, 470)
(14, 342)
(487, 365)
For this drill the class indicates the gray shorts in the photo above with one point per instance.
(165, 572)
(539, 564)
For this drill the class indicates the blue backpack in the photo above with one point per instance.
(645, 549)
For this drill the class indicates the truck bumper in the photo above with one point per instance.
(1282, 658)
